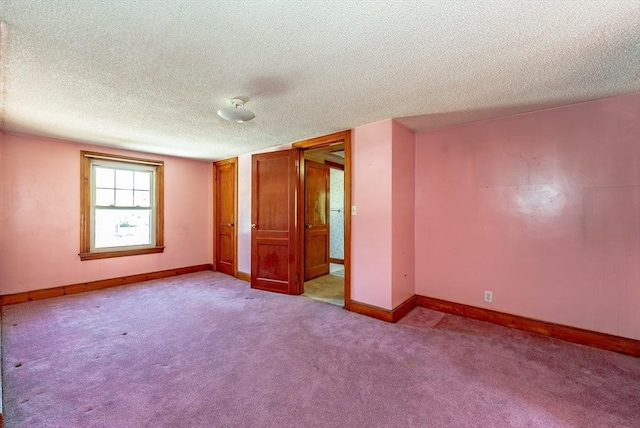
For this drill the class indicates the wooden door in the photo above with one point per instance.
(226, 216)
(316, 219)
(274, 243)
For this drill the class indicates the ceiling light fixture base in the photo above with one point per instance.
(237, 113)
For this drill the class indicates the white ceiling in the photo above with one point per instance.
(149, 75)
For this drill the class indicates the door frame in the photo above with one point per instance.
(217, 164)
(314, 143)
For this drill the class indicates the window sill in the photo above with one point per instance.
(121, 253)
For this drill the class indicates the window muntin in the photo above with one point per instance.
(121, 207)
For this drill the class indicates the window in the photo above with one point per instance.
(121, 206)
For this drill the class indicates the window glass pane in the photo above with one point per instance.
(141, 198)
(124, 179)
(104, 177)
(124, 198)
(142, 180)
(121, 228)
(104, 197)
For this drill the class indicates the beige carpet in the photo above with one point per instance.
(339, 273)
(328, 288)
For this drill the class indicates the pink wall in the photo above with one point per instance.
(40, 211)
(403, 212)
(543, 209)
(371, 262)
(2, 137)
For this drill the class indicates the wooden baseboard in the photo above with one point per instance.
(336, 261)
(384, 314)
(9, 299)
(370, 311)
(594, 339)
(405, 307)
(243, 276)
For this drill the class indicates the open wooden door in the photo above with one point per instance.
(275, 256)
(316, 219)
(226, 216)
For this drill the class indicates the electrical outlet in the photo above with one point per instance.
(488, 296)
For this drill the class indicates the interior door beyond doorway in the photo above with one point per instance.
(316, 234)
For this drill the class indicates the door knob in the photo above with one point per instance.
(308, 226)
(253, 226)
(230, 224)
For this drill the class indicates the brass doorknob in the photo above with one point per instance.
(253, 226)
(308, 226)
(230, 224)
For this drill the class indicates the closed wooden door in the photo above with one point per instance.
(316, 218)
(226, 216)
(274, 234)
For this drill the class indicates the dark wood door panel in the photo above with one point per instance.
(273, 195)
(273, 264)
(225, 254)
(274, 247)
(316, 255)
(226, 213)
(316, 220)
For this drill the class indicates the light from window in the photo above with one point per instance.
(121, 207)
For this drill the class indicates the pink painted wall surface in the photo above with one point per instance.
(41, 209)
(2, 137)
(371, 262)
(543, 209)
(402, 216)
(244, 207)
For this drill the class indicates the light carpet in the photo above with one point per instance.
(204, 350)
(328, 288)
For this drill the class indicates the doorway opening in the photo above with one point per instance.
(324, 223)
(324, 213)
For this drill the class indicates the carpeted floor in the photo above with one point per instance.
(205, 350)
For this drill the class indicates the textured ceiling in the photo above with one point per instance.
(150, 74)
